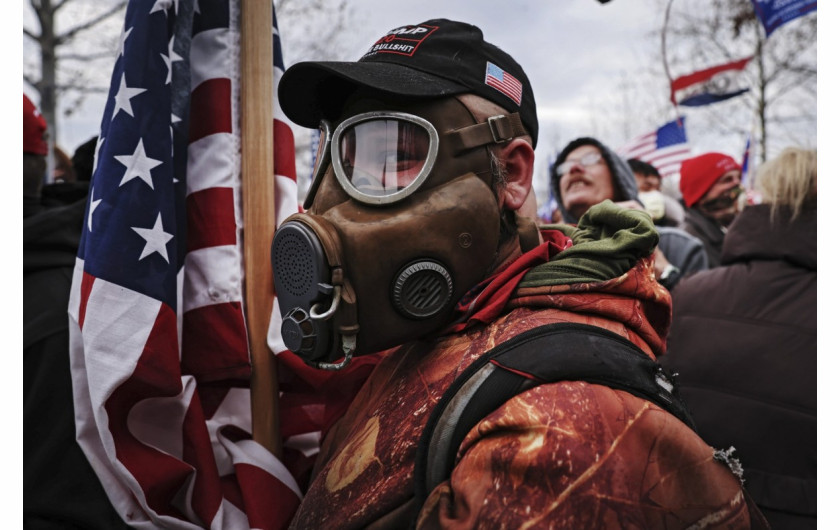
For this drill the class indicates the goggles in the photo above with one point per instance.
(382, 157)
(725, 201)
(378, 157)
(589, 159)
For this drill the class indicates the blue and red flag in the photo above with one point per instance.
(775, 13)
(710, 85)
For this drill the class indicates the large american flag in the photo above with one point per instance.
(159, 349)
(664, 148)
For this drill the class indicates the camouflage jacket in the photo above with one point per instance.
(561, 455)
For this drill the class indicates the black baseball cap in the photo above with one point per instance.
(435, 58)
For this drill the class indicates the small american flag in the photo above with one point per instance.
(664, 148)
(159, 348)
(503, 82)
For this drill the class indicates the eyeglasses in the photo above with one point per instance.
(378, 157)
(589, 159)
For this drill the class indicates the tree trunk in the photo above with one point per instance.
(762, 92)
(46, 86)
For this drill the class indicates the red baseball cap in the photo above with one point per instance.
(698, 174)
(34, 129)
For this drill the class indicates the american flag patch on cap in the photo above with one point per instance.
(503, 82)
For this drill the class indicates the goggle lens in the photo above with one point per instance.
(381, 158)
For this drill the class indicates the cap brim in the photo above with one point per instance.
(311, 91)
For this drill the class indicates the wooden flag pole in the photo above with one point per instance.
(256, 91)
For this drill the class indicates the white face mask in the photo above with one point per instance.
(654, 204)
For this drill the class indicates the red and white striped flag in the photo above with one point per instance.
(159, 349)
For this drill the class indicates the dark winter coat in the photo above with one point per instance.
(60, 488)
(744, 341)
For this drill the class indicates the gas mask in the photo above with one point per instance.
(401, 222)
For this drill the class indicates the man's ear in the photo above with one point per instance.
(518, 157)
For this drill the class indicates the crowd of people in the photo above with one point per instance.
(60, 488)
(526, 375)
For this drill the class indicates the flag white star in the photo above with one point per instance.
(161, 5)
(122, 100)
(156, 239)
(123, 38)
(173, 120)
(169, 59)
(99, 143)
(138, 165)
(93, 205)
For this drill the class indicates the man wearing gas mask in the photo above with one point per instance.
(711, 188)
(410, 244)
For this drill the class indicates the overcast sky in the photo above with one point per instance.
(584, 60)
(574, 52)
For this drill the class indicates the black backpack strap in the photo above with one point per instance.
(551, 353)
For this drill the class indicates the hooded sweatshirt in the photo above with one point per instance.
(60, 489)
(682, 250)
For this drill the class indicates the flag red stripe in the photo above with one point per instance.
(87, 285)
(284, 159)
(264, 496)
(210, 111)
(210, 218)
(513, 92)
(161, 476)
(220, 355)
(708, 73)
(207, 491)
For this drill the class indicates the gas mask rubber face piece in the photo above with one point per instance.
(403, 221)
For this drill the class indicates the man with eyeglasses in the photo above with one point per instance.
(711, 188)
(587, 172)
(410, 248)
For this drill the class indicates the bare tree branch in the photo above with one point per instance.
(34, 83)
(84, 57)
(31, 35)
(783, 73)
(69, 34)
(59, 5)
(84, 89)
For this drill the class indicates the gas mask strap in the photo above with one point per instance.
(348, 332)
(496, 130)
